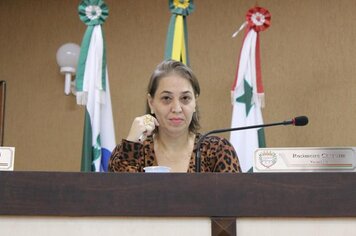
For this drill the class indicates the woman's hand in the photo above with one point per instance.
(141, 127)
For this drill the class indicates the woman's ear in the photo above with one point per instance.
(196, 102)
(149, 101)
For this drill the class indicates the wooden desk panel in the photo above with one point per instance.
(174, 194)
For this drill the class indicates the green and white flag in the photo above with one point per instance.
(247, 91)
(92, 85)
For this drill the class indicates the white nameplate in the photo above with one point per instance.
(7, 158)
(313, 159)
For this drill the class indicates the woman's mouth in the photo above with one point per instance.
(176, 121)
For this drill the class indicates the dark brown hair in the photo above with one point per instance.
(166, 68)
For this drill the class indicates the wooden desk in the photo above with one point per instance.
(222, 197)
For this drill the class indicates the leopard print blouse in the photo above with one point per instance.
(217, 155)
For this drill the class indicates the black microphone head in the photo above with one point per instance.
(300, 120)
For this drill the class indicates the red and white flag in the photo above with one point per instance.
(247, 92)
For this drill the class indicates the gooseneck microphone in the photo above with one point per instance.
(297, 121)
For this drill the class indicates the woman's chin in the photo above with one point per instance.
(176, 130)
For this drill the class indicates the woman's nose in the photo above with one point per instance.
(176, 107)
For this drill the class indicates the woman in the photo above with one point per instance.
(168, 136)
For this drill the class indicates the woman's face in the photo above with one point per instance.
(173, 104)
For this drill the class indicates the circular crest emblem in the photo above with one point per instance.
(267, 158)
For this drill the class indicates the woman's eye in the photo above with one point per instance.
(186, 99)
(166, 99)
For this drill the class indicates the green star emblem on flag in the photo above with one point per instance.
(246, 97)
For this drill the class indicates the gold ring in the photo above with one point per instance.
(147, 120)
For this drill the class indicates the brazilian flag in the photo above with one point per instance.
(177, 43)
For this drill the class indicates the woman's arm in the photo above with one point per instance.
(127, 157)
